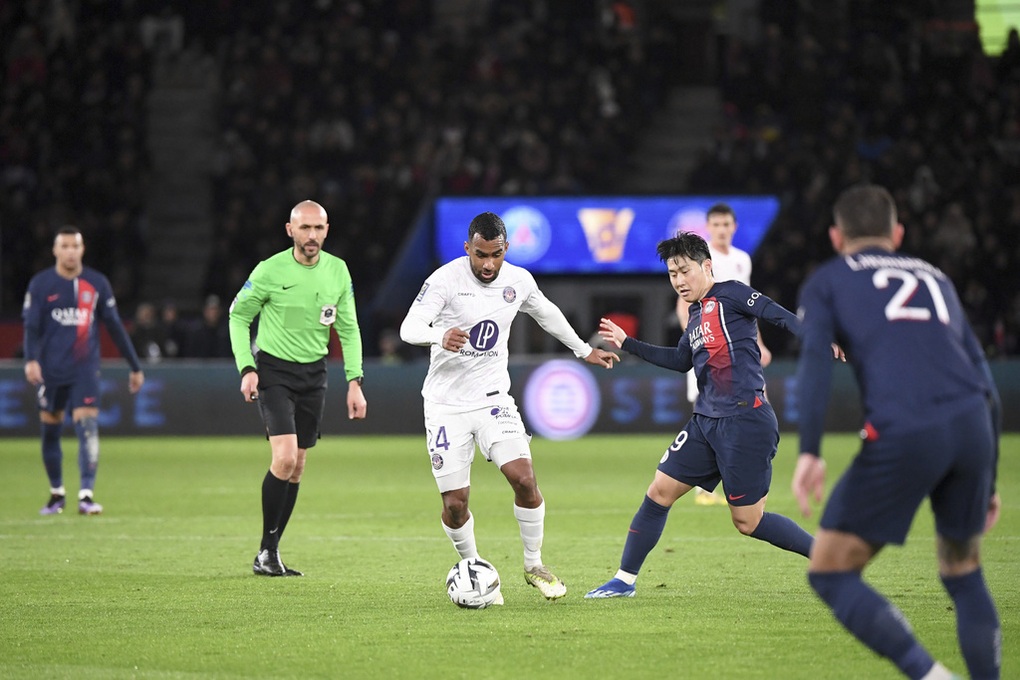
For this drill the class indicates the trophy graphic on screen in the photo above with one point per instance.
(606, 231)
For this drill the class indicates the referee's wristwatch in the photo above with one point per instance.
(360, 379)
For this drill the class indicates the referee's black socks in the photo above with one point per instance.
(274, 498)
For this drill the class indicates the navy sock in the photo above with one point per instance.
(977, 624)
(274, 495)
(784, 533)
(873, 620)
(88, 450)
(52, 454)
(644, 533)
(288, 507)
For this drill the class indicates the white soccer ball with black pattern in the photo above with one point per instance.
(473, 583)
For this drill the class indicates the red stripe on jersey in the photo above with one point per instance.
(87, 299)
(717, 343)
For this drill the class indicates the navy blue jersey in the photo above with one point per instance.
(721, 345)
(60, 324)
(899, 320)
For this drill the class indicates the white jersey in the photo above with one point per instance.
(453, 297)
(732, 266)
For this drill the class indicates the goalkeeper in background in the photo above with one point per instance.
(299, 294)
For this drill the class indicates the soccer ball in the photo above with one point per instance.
(473, 583)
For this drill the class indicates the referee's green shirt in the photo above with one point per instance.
(298, 305)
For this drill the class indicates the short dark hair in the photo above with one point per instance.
(488, 225)
(684, 244)
(68, 229)
(865, 210)
(720, 209)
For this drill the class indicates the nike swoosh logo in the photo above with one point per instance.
(736, 498)
(290, 286)
(273, 531)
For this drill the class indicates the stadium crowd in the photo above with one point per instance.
(74, 77)
(372, 107)
(890, 97)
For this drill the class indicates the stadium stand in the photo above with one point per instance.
(375, 106)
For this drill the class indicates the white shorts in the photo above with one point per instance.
(451, 433)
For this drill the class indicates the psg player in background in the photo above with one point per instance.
(62, 360)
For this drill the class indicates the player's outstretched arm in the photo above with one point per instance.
(611, 332)
(600, 357)
(808, 481)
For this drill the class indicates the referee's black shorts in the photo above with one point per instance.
(292, 397)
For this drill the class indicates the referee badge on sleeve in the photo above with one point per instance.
(328, 315)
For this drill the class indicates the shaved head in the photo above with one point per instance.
(306, 210)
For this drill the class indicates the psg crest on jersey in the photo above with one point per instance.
(509, 294)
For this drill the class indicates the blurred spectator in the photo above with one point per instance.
(390, 347)
(174, 329)
(147, 333)
(209, 337)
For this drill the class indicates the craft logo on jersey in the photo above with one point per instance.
(606, 231)
(484, 335)
(509, 294)
(528, 231)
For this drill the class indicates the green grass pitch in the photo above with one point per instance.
(160, 585)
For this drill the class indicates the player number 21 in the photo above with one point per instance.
(898, 309)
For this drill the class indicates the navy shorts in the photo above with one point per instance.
(738, 450)
(292, 397)
(81, 393)
(949, 461)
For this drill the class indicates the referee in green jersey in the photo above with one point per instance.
(299, 295)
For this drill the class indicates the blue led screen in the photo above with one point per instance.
(595, 234)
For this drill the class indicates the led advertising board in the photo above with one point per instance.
(595, 234)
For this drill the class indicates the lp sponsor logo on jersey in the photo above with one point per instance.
(484, 335)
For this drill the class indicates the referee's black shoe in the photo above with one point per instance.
(267, 563)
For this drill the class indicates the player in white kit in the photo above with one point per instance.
(464, 312)
(729, 263)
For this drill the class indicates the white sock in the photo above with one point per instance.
(629, 579)
(463, 538)
(84, 493)
(58, 491)
(938, 672)
(532, 522)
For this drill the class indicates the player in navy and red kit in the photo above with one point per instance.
(62, 360)
(733, 433)
(931, 420)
